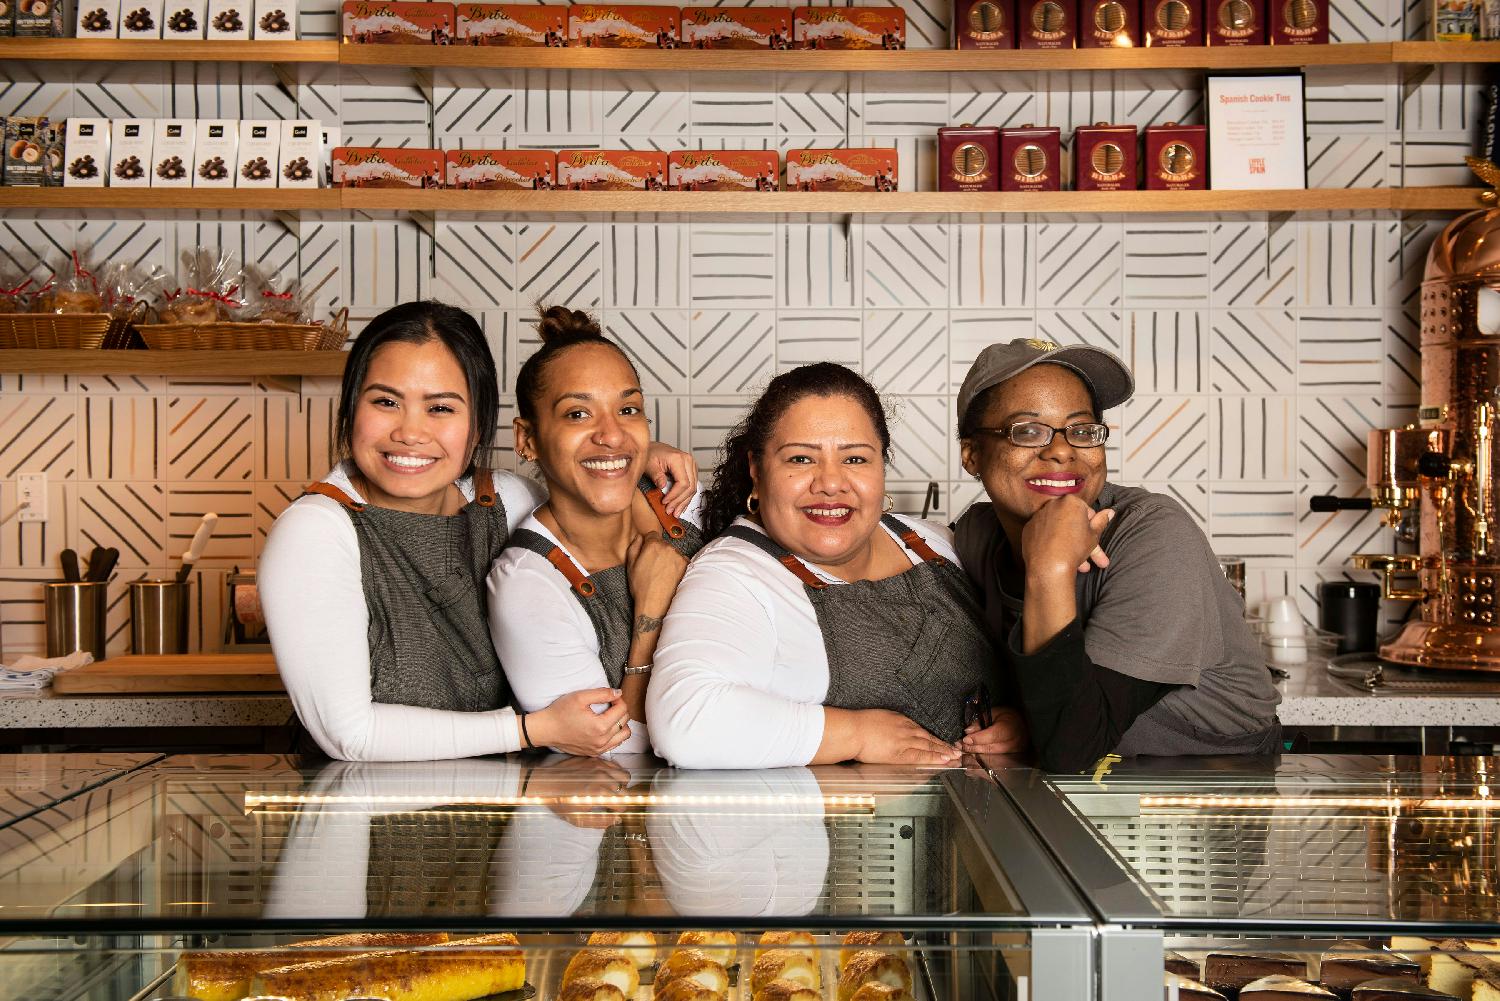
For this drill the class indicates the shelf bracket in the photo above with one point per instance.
(286, 75)
(1274, 222)
(421, 78)
(292, 221)
(426, 222)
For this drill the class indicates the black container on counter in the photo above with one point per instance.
(1352, 610)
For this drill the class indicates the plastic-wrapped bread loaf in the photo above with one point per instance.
(785, 964)
(226, 975)
(590, 989)
(873, 967)
(719, 946)
(860, 941)
(796, 941)
(612, 966)
(694, 966)
(787, 990)
(458, 971)
(640, 946)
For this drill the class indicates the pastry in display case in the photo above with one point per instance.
(546, 877)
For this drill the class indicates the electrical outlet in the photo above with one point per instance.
(31, 495)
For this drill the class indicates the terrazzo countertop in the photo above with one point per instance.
(1311, 698)
(44, 710)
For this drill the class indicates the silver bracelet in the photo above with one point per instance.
(643, 669)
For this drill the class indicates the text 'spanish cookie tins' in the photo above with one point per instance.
(515, 24)
(611, 170)
(1299, 22)
(984, 24)
(622, 26)
(1172, 23)
(871, 169)
(736, 27)
(1235, 22)
(723, 170)
(501, 169)
(969, 158)
(387, 167)
(1031, 158)
(1104, 158)
(1176, 157)
(1109, 24)
(849, 27)
(398, 22)
(1046, 24)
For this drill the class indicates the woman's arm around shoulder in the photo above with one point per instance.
(316, 615)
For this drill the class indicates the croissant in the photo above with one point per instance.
(693, 965)
(784, 964)
(873, 967)
(640, 946)
(685, 989)
(859, 941)
(796, 941)
(609, 965)
(787, 990)
(880, 992)
(719, 946)
(590, 989)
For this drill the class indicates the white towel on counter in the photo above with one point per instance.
(32, 674)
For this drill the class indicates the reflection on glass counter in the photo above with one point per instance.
(210, 884)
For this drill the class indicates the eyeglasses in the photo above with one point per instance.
(977, 709)
(1034, 434)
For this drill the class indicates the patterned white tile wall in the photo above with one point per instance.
(1263, 348)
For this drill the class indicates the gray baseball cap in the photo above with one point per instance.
(1104, 373)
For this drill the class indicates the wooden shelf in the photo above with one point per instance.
(165, 199)
(136, 50)
(173, 363)
(720, 61)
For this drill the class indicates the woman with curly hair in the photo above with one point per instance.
(818, 626)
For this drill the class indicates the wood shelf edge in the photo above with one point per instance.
(25, 361)
(168, 50)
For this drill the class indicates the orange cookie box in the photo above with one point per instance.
(849, 28)
(396, 22)
(622, 26)
(611, 170)
(516, 24)
(841, 169)
(387, 167)
(736, 27)
(501, 169)
(723, 170)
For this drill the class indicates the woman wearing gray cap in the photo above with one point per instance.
(1150, 652)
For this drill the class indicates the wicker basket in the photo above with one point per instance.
(54, 330)
(245, 336)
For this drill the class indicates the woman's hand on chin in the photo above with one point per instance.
(665, 463)
(571, 725)
(892, 739)
(1063, 535)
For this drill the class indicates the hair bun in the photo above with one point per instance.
(559, 324)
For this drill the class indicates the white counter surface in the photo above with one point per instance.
(1311, 698)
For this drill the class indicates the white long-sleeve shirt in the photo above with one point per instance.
(314, 603)
(741, 670)
(545, 638)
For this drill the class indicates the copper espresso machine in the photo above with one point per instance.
(1438, 479)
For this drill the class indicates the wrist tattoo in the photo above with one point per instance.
(646, 624)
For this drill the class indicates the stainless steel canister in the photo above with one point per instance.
(74, 611)
(159, 616)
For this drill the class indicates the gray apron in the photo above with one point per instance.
(605, 594)
(914, 643)
(423, 577)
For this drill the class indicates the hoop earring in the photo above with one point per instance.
(752, 504)
(889, 505)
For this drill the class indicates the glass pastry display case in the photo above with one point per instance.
(1311, 877)
(222, 877)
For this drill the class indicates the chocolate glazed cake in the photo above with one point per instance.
(1282, 988)
(1228, 971)
(1398, 989)
(1341, 973)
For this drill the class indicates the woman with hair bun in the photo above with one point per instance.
(817, 626)
(577, 599)
(372, 581)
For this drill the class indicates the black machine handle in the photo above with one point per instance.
(1327, 503)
